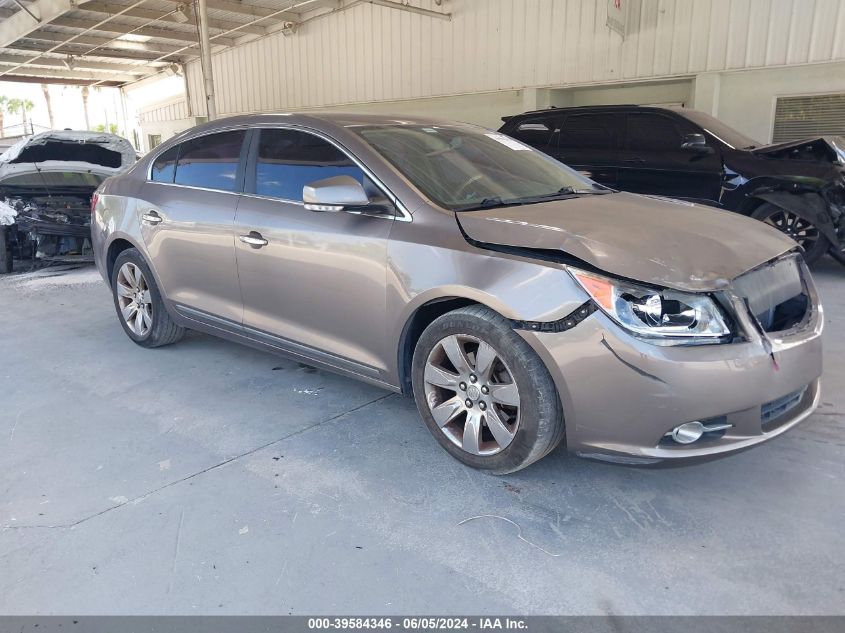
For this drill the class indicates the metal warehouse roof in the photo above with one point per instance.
(119, 41)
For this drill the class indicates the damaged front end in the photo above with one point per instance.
(46, 185)
(820, 202)
(50, 228)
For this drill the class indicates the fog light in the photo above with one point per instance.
(688, 433)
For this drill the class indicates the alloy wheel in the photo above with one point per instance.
(133, 297)
(799, 229)
(472, 394)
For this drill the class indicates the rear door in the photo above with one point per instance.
(317, 284)
(653, 162)
(188, 211)
(589, 143)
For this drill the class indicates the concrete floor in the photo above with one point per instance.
(210, 478)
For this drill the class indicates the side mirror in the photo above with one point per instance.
(339, 193)
(696, 143)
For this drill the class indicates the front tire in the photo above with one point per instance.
(483, 392)
(803, 231)
(138, 302)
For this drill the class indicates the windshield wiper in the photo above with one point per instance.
(494, 203)
(563, 193)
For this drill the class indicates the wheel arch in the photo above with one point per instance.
(804, 197)
(423, 316)
(116, 246)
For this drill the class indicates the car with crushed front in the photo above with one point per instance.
(797, 186)
(46, 183)
(521, 304)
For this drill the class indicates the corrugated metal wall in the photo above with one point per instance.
(372, 53)
(164, 112)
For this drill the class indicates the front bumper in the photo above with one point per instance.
(621, 395)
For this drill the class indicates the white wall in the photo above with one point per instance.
(746, 100)
(373, 54)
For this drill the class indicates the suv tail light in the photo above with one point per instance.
(94, 199)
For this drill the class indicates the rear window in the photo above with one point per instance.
(57, 150)
(210, 161)
(164, 167)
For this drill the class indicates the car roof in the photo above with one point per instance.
(599, 108)
(322, 119)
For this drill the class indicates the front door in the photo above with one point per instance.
(653, 161)
(187, 212)
(313, 283)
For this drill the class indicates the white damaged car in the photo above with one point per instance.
(46, 183)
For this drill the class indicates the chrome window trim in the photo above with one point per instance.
(174, 184)
(403, 214)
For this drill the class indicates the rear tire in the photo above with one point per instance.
(138, 302)
(497, 408)
(804, 232)
(6, 264)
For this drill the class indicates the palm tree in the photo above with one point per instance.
(13, 107)
(26, 106)
(85, 106)
(4, 100)
(46, 90)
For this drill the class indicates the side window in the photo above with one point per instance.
(653, 132)
(537, 132)
(164, 166)
(590, 131)
(210, 161)
(289, 159)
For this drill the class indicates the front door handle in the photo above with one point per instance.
(151, 217)
(636, 160)
(254, 239)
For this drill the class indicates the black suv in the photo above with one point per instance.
(798, 187)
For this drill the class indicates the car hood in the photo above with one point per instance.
(826, 148)
(654, 240)
(67, 150)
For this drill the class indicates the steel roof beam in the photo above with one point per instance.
(146, 14)
(121, 29)
(79, 64)
(152, 48)
(87, 75)
(80, 51)
(19, 24)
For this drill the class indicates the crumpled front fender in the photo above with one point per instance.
(821, 207)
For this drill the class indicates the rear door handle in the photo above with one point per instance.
(254, 239)
(635, 160)
(151, 217)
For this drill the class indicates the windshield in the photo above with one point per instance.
(716, 128)
(462, 168)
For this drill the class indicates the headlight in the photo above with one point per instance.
(666, 317)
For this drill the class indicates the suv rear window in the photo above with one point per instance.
(210, 161)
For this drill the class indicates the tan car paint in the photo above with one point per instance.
(339, 290)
